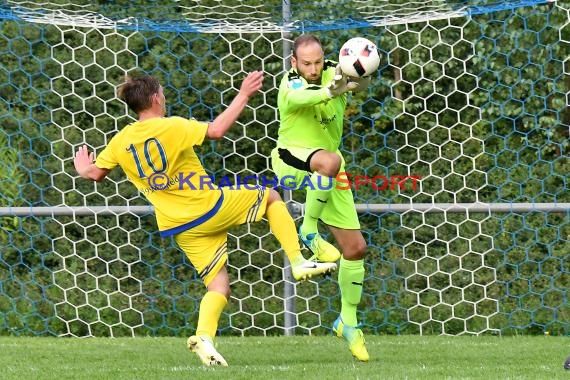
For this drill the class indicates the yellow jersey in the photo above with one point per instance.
(158, 157)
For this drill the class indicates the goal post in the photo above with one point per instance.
(471, 98)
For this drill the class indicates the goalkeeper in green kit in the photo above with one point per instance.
(312, 100)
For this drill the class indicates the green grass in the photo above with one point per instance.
(299, 358)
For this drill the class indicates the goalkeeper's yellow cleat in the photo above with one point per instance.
(321, 249)
(307, 269)
(204, 348)
(354, 338)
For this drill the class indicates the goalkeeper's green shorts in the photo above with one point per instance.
(340, 211)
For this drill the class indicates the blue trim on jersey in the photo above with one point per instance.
(196, 222)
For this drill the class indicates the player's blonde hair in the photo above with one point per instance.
(137, 92)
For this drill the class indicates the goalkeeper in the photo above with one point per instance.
(156, 150)
(311, 100)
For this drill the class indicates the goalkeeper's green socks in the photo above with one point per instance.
(350, 281)
(316, 202)
(211, 308)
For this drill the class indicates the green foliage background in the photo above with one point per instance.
(478, 107)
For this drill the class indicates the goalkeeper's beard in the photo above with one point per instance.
(317, 80)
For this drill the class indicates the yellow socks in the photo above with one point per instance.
(211, 308)
(283, 227)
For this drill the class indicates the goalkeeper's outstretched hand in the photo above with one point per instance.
(362, 83)
(341, 83)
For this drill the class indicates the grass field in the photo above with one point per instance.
(299, 358)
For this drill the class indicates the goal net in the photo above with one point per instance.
(471, 96)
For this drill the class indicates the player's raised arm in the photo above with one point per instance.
(221, 124)
(83, 162)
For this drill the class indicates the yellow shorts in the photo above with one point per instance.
(206, 245)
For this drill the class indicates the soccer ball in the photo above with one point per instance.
(358, 57)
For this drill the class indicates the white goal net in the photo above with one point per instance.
(471, 97)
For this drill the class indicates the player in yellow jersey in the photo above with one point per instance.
(157, 155)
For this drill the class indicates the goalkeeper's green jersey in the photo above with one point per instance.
(309, 118)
